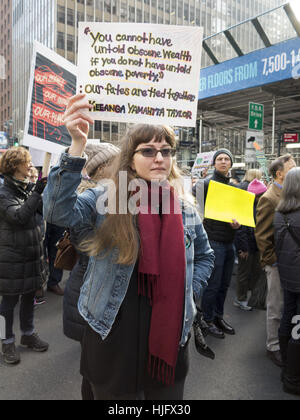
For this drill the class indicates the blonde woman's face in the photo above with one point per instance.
(33, 176)
(152, 168)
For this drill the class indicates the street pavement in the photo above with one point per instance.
(241, 370)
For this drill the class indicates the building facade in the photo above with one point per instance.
(6, 66)
(55, 24)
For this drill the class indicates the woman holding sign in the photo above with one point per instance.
(145, 266)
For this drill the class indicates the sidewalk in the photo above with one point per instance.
(241, 370)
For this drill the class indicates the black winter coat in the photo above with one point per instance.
(245, 238)
(73, 323)
(244, 185)
(22, 268)
(288, 251)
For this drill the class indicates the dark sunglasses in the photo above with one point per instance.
(151, 152)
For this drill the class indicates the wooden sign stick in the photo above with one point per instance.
(46, 166)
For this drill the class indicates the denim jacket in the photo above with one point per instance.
(106, 283)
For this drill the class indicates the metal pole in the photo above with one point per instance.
(279, 138)
(273, 125)
(200, 133)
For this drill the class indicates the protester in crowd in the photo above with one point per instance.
(1, 175)
(204, 172)
(98, 167)
(34, 175)
(250, 175)
(195, 179)
(264, 234)
(144, 268)
(234, 180)
(21, 254)
(221, 236)
(53, 235)
(287, 244)
(39, 298)
(200, 331)
(250, 272)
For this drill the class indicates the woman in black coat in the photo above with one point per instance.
(287, 241)
(21, 254)
(98, 166)
(100, 158)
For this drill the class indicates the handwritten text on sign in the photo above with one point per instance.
(140, 72)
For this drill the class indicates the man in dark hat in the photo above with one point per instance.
(221, 237)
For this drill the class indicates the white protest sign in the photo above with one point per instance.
(203, 160)
(140, 73)
(38, 157)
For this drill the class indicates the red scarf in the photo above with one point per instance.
(162, 271)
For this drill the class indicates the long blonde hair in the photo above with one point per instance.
(119, 230)
(252, 174)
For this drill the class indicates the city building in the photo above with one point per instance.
(6, 66)
(54, 23)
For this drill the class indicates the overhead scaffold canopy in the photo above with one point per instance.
(263, 70)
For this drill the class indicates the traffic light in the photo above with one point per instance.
(16, 141)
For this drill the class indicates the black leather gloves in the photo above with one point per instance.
(40, 185)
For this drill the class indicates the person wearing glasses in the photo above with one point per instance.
(149, 257)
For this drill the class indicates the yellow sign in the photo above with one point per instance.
(225, 203)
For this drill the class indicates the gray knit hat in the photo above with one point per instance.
(99, 154)
(221, 152)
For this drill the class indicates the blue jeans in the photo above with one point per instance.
(291, 308)
(215, 294)
(53, 234)
(7, 307)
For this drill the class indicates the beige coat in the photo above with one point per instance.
(264, 231)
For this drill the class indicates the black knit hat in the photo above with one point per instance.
(221, 152)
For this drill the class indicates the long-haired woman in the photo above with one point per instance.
(287, 240)
(149, 255)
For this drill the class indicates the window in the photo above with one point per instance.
(60, 14)
(71, 17)
(60, 40)
(70, 43)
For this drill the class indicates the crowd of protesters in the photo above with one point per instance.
(133, 270)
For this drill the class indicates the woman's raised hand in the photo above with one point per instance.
(77, 120)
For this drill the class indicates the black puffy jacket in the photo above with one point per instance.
(73, 323)
(288, 250)
(22, 267)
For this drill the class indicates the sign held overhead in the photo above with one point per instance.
(140, 73)
(52, 83)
